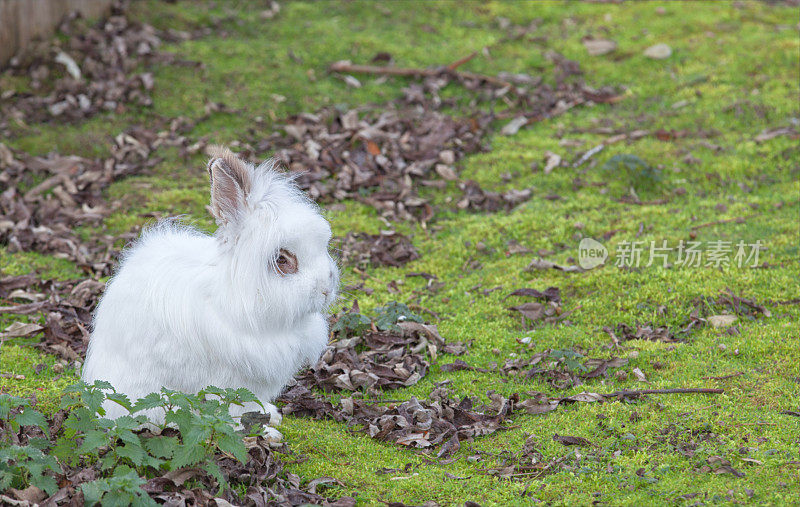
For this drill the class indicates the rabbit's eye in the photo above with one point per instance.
(287, 262)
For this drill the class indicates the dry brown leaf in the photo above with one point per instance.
(718, 321)
(20, 329)
(658, 51)
(597, 47)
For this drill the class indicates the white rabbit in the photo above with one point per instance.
(243, 308)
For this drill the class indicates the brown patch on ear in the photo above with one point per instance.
(230, 183)
(238, 168)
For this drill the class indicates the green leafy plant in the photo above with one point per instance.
(17, 412)
(568, 358)
(640, 175)
(21, 465)
(352, 323)
(387, 317)
(122, 488)
(201, 426)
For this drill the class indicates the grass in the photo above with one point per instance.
(733, 73)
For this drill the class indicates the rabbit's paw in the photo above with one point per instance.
(266, 436)
(275, 417)
(271, 435)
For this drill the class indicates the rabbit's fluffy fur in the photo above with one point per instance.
(186, 310)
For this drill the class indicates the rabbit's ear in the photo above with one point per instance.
(230, 184)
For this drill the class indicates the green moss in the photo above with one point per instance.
(45, 386)
(48, 267)
(732, 74)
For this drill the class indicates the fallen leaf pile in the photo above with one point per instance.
(741, 306)
(439, 421)
(686, 441)
(477, 199)
(383, 365)
(719, 465)
(382, 155)
(43, 199)
(389, 248)
(373, 361)
(378, 359)
(646, 332)
(67, 307)
(378, 157)
(93, 70)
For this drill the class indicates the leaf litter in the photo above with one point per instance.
(382, 156)
(94, 69)
(368, 355)
(43, 199)
(67, 307)
(388, 248)
(369, 360)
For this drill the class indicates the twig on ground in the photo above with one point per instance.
(738, 220)
(461, 61)
(589, 154)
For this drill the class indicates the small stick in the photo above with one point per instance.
(458, 63)
(738, 220)
(344, 66)
(589, 154)
(637, 392)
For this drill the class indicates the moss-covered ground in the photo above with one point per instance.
(733, 72)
